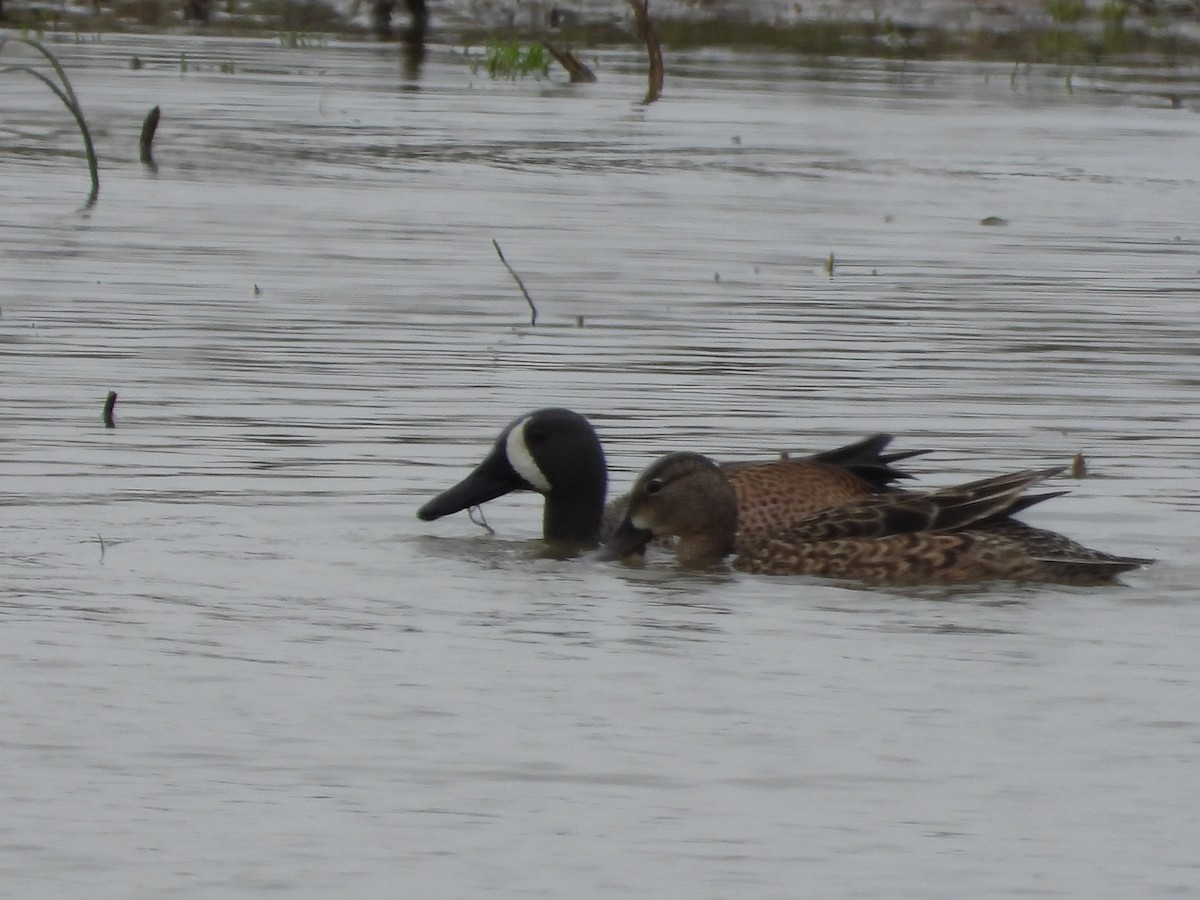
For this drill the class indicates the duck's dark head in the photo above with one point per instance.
(684, 497)
(552, 451)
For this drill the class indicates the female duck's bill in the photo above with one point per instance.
(954, 535)
(555, 452)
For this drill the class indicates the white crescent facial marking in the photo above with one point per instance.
(522, 460)
(640, 522)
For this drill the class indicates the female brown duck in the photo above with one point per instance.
(949, 536)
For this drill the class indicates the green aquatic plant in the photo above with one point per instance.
(302, 40)
(33, 30)
(1066, 11)
(508, 59)
(1113, 13)
(66, 94)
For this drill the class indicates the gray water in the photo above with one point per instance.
(235, 664)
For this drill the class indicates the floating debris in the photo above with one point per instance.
(481, 521)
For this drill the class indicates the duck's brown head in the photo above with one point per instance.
(683, 497)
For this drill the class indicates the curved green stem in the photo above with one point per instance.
(67, 95)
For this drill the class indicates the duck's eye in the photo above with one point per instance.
(654, 486)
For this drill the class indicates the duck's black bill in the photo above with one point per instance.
(492, 478)
(625, 541)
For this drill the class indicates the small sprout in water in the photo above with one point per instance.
(1079, 466)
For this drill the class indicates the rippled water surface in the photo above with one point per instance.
(236, 664)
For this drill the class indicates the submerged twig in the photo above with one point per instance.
(149, 126)
(472, 511)
(641, 13)
(109, 402)
(579, 71)
(67, 95)
(520, 283)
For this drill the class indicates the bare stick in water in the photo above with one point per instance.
(149, 126)
(520, 283)
(579, 71)
(109, 403)
(641, 13)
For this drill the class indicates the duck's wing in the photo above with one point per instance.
(944, 510)
(1057, 553)
(866, 459)
(933, 558)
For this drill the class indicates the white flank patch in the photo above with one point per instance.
(522, 460)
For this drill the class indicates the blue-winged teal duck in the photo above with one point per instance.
(949, 536)
(557, 453)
